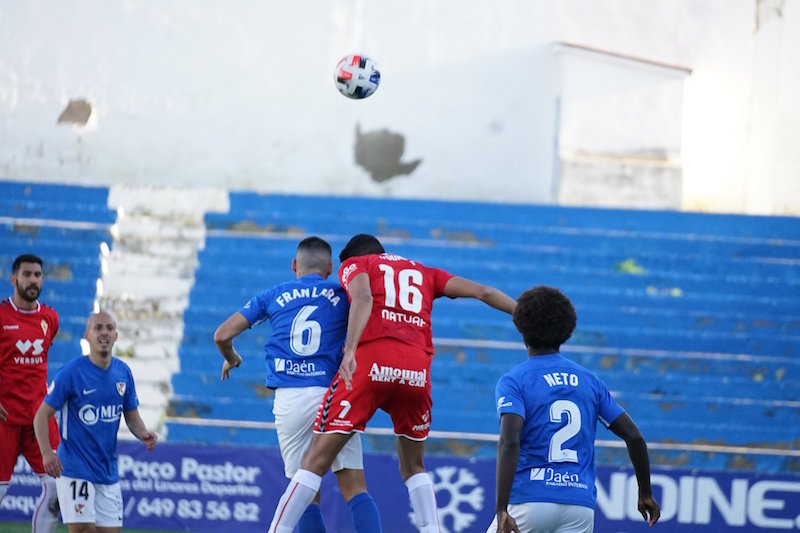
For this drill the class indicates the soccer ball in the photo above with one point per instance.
(356, 76)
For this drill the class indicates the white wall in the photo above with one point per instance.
(240, 94)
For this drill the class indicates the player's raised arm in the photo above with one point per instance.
(458, 287)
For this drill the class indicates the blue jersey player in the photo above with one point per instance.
(308, 316)
(549, 407)
(94, 393)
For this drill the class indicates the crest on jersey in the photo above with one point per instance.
(44, 326)
(79, 508)
(121, 388)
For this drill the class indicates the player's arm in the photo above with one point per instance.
(135, 423)
(223, 338)
(360, 294)
(41, 429)
(457, 287)
(624, 427)
(507, 459)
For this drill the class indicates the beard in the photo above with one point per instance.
(29, 294)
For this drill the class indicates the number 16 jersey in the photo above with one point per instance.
(402, 297)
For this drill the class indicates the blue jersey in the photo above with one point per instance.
(92, 402)
(308, 316)
(561, 403)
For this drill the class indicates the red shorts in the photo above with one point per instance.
(15, 440)
(390, 375)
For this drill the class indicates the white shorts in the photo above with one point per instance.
(295, 409)
(84, 502)
(545, 517)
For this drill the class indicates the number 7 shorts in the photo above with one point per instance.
(390, 375)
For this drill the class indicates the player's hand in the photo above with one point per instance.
(227, 366)
(348, 368)
(3, 414)
(52, 464)
(647, 505)
(149, 439)
(506, 524)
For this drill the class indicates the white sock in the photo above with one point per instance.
(300, 492)
(45, 514)
(423, 502)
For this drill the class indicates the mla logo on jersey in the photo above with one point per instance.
(121, 388)
(91, 415)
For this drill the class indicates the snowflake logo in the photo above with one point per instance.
(457, 497)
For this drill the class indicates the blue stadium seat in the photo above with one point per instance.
(688, 317)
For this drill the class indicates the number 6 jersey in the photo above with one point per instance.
(308, 316)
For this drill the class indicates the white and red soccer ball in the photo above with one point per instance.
(356, 76)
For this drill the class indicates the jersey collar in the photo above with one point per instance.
(25, 311)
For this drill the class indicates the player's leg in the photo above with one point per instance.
(10, 436)
(410, 408)
(420, 486)
(76, 498)
(108, 508)
(306, 482)
(349, 469)
(295, 409)
(45, 512)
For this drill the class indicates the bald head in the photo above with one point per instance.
(101, 334)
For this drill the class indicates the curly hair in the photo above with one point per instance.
(545, 317)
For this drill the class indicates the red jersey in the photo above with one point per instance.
(402, 297)
(25, 338)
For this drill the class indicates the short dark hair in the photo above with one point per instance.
(25, 258)
(545, 317)
(315, 253)
(361, 244)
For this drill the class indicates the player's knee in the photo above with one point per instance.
(351, 482)
(49, 494)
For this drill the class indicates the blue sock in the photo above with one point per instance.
(365, 513)
(311, 521)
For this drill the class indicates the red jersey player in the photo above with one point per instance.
(27, 329)
(386, 365)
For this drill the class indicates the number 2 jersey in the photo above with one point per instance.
(308, 316)
(403, 292)
(561, 403)
(25, 338)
